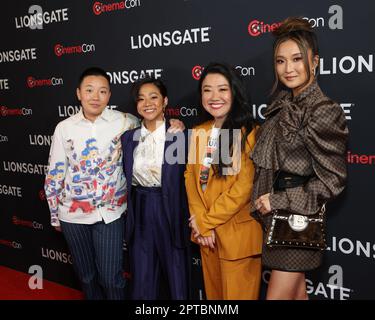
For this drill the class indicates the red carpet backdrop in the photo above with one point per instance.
(46, 44)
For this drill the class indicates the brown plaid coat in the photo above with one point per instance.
(305, 135)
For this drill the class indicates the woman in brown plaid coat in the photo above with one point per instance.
(303, 140)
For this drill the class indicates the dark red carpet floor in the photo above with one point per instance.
(14, 286)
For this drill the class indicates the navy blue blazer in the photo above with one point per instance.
(172, 184)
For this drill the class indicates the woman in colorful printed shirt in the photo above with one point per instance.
(218, 181)
(157, 229)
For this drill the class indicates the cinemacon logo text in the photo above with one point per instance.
(168, 38)
(335, 21)
(99, 7)
(11, 244)
(26, 223)
(3, 138)
(32, 82)
(5, 111)
(181, 111)
(256, 27)
(80, 49)
(196, 72)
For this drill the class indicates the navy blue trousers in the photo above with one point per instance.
(97, 251)
(152, 251)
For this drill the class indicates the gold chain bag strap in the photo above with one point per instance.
(291, 230)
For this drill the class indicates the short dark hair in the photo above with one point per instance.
(156, 82)
(93, 71)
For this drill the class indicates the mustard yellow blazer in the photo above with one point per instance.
(225, 204)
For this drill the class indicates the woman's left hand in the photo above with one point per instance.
(207, 241)
(262, 204)
(176, 126)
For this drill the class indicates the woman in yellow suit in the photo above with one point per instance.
(218, 181)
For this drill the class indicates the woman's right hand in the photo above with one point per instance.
(262, 204)
(193, 225)
(203, 241)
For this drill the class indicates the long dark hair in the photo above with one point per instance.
(239, 116)
(301, 32)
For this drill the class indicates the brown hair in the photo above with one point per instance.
(300, 31)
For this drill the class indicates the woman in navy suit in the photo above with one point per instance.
(156, 231)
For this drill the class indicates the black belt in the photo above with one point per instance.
(286, 180)
(148, 189)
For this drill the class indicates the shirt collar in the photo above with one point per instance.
(78, 116)
(159, 133)
(106, 115)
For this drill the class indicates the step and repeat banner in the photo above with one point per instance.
(47, 44)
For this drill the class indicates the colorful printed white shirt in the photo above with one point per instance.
(85, 182)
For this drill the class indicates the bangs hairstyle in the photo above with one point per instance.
(149, 80)
(301, 32)
(93, 71)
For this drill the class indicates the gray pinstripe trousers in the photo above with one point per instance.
(98, 257)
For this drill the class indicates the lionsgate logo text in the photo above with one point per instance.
(4, 84)
(333, 289)
(346, 64)
(18, 55)
(37, 17)
(10, 191)
(69, 110)
(131, 76)
(168, 38)
(56, 255)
